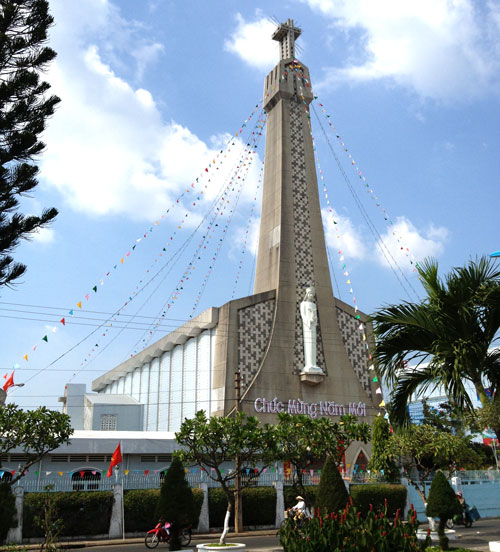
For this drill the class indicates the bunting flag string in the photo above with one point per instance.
(148, 472)
(125, 256)
(221, 241)
(218, 210)
(369, 189)
(256, 133)
(247, 231)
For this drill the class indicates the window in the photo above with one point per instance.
(6, 476)
(86, 480)
(108, 422)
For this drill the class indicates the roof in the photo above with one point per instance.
(107, 398)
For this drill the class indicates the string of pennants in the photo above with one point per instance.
(148, 334)
(141, 342)
(247, 230)
(148, 472)
(369, 189)
(296, 68)
(235, 184)
(125, 256)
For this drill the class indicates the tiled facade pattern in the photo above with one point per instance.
(254, 331)
(355, 347)
(303, 246)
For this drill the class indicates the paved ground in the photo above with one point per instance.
(476, 538)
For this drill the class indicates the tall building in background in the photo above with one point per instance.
(295, 346)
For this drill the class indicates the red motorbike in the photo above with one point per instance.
(161, 534)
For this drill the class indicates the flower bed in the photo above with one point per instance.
(348, 530)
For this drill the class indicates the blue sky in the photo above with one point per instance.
(152, 91)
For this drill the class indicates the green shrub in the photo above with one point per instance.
(376, 494)
(175, 502)
(332, 495)
(140, 509)
(217, 506)
(140, 506)
(82, 513)
(442, 503)
(349, 530)
(258, 504)
(7, 510)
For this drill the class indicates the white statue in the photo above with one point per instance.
(309, 315)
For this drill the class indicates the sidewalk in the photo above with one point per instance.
(197, 538)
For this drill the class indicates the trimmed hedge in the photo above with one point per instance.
(140, 506)
(82, 513)
(259, 506)
(7, 510)
(366, 494)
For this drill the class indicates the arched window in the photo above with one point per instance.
(86, 479)
(360, 466)
(5, 476)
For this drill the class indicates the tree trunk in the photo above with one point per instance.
(226, 524)
(443, 539)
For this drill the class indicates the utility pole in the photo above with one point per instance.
(238, 517)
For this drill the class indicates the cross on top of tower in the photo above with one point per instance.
(286, 34)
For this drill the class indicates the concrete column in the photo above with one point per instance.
(204, 523)
(404, 482)
(15, 534)
(116, 522)
(280, 503)
(456, 483)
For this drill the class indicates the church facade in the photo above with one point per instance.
(294, 346)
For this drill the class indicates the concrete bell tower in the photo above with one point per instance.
(263, 337)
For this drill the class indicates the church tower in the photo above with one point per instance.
(292, 345)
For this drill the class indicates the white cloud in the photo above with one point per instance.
(108, 149)
(252, 42)
(441, 49)
(341, 235)
(406, 243)
(43, 236)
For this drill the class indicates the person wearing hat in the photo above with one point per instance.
(300, 507)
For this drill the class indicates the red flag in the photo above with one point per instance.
(9, 382)
(115, 460)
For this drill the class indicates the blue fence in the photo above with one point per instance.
(480, 489)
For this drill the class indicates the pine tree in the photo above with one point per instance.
(332, 495)
(24, 109)
(175, 503)
(442, 503)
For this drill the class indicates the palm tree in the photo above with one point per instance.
(449, 336)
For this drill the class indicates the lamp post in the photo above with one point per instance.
(3, 393)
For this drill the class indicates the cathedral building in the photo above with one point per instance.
(292, 346)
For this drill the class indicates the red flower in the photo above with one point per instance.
(359, 514)
(405, 536)
(428, 531)
(384, 533)
(381, 515)
(371, 507)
